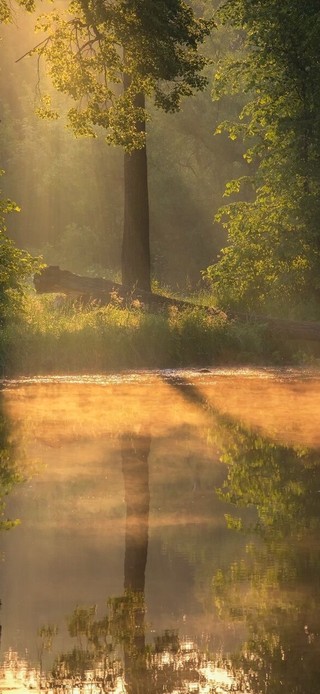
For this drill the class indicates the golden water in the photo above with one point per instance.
(122, 575)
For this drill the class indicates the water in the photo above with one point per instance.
(168, 535)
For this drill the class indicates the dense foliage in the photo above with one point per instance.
(15, 266)
(274, 239)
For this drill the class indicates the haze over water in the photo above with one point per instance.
(123, 575)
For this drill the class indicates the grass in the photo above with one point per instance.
(48, 338)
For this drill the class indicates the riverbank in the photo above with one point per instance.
(50, 336)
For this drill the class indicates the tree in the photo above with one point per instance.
(15, 266)
(109, 58)
(274, 242)
(79, 224)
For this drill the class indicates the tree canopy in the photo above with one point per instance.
(91, 45)
(273, 249)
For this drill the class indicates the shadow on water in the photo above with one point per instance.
(271, 587)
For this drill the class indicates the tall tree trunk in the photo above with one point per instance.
(136, 244)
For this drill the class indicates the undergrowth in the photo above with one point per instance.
(49, 336)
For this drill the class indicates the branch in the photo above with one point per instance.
(32, 50)
(87, 44)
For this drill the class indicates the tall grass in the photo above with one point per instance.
(46, 337)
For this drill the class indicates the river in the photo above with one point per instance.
(160, 533)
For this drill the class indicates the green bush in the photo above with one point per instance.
(47, 337)
(16, 267)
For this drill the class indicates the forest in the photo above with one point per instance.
(169, 147)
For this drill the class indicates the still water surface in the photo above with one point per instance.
(168, 536)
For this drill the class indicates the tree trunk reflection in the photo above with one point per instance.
(135, 451)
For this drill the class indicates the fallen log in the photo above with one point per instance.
(103, 292)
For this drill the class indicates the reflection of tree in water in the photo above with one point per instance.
(111, 653)
(10, 475)
(99, 642)
(135, 451)
(275, 588)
